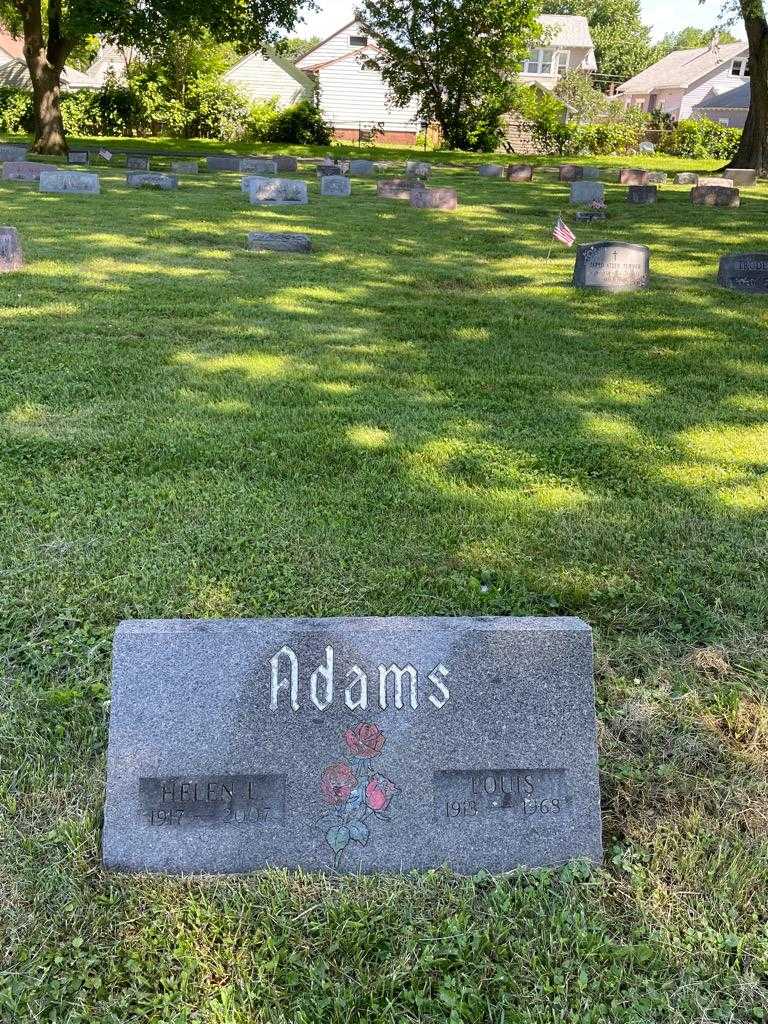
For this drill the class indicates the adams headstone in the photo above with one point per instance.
(278, 241)
(25, 170)
(356, 745)
(69, 181)
(278, 192)
(612, 266)
(335, 185)
(11, 256)
(152, 179)
(742, 272)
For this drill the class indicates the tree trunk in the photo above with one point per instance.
(49, 127)
(753, 148)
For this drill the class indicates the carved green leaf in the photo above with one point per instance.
(338, 838)
(359, 832)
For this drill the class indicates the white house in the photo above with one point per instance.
(14, 74)
(353, 98)
(566, 46)
(729, 107)
(266, 75)
(678, 83)
(112, 60)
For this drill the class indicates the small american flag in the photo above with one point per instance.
(563, 233)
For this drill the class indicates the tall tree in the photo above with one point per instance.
(622, 42)
(53, 29)
(458, 58)
(753, 147)
(692, 38)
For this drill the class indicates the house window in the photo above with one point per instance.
(563, 59)
(724, 121)
(740, 68)
(542, 61)
(358, 40)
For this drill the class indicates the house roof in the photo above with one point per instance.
(282, 62)
(567, 30)
(349, 24)
(13, 47)
(344, 56)
(731, 99)
(681, 68)
(15, 75)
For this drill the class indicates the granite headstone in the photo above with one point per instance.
(418, 169)
(245, 183)
(286, 164)
(278, 241)
(278, 192)
(25, 170)
(434, 198)
(78, 156)
(715, 195)
(612, 266)
(11, 256)
(642, 195)
(397, 188)
(742, 176)
(519, 172)
(490, 171)
(335, 185)
(69, 181)
(137, 162)
(633, 176)
(657, 178)
(329, 170)
(222, 163)
(590, 172)
(258, 165)
(354, 745)
(687, 178)
(151, 179)
(743, 272)
(10, 152)
(185, 167)
(571, 172)
(585, 192)
(362, 168)
(721, 182)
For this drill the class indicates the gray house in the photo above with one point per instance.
(728, 107)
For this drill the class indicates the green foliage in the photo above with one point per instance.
(622, 42)
(17, 114)
(301, 123)
(691, 38)
(458, 57)
(216, 110)
(294, 47)
(261, 119)
(703, 138)
(586, 102)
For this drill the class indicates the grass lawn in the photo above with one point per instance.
(422, 417)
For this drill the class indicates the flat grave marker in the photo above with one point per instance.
(418, 169)
(397, 188)
(152, 179)
(612, 266)
(278, 241)
(330, 170)
(106, 154)
(351, 745)
(434, 198)
(11, 255)
(687, 178)
(70, 181)
(745, 272)
(721, 182)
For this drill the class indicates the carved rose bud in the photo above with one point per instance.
(379, 792)
(364, 740)
(337, 782)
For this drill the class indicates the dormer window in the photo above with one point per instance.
(358, 40)
(740, 68)
(544, 61)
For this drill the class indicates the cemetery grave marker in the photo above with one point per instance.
(715, 195)
(585, 192)
(11, 152)
(687, 178)
(258, 165)
(490, 171)
(152, 179)
(745, 272)
(329, 170)
(283, 241)
(278, 192)
(78, 156)
(418, 169)
(721, 182)
(362, 168)
(137, 162)
(355, 745)
(106, 154)
(633, 176)
(11, 256)
(744, 176)
(571, 172)
(185, 167)
(657, 178)
(286, 164)
(69, 181)
(397, 188)
(25, 170)
(520, 172)
(335, 185)
(642, 194)
(245, 183)
(222, 163)
(612, 266)
(590, 172)
(434, 198)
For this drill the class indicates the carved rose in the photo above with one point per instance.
(364, 740)
(337, 783)
(379, 792)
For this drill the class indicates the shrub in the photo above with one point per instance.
(261, 119)
(302, 124)
(17, 115)
(216, 110)
(703, 138)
